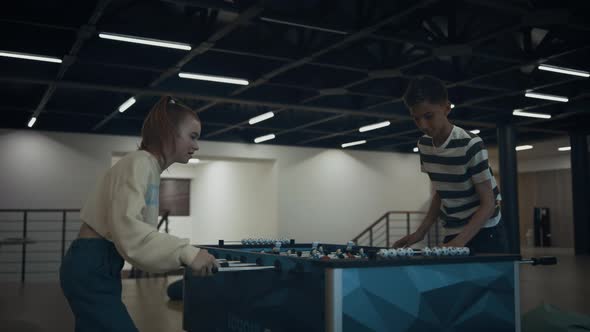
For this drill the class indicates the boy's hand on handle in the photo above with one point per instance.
(408, 240)
(203, 264)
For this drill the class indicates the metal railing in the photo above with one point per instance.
(31, 237)
(396, 224)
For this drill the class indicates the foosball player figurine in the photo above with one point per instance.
(277, 248)
(349, 246)
(314, 245)
(362, 253)
(315, 254)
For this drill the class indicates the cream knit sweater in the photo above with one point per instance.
(124, 210)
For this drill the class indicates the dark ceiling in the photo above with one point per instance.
(327, 68)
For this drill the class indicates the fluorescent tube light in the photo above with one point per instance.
(563, 70)
(27, 56)
(267, 19)
(144, 41)
(345, 145)
(264, 138)
(261, 118)
(523, 147)
(220, 79)
(127, 104)
(519, 112)
(546, 96)
(374, 126)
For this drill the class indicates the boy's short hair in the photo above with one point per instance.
(425, 89)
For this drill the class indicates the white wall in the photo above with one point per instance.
(229, 200)
(324, 195)
(331, 195)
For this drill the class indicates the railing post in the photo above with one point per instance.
(387, 230)
(371, 236)
(407, 223)
(24, 249)
(63, 234)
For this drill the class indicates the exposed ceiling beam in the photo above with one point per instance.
(275, 130)
(40, 25)
(212, 4)
(302, 128)
(83, 34)
(245, 122)
(344, 41)
(347, 86)
(231, 100)
(324, 137)
(516, 67)
(194, 96)
(508, 7)
(397, 134)
(285, 59)
(516, 92)
(203, 47)
(338, 115)
(311, 124)
(568, 111)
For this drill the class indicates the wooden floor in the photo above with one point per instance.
(41, 306)
(565, 285)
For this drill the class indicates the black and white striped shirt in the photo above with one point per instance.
(454, 168)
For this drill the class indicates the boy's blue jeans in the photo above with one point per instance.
(90, 277)
(491, 240)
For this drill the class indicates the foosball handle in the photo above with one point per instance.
(222, 264)
(544, 260)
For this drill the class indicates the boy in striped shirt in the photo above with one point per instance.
(466, 198)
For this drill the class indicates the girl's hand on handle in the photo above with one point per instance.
(203, 264)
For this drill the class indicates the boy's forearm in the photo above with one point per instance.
(425, 226)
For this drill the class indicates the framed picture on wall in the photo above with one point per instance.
(175, 197)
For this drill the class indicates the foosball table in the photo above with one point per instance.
(287, 286)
